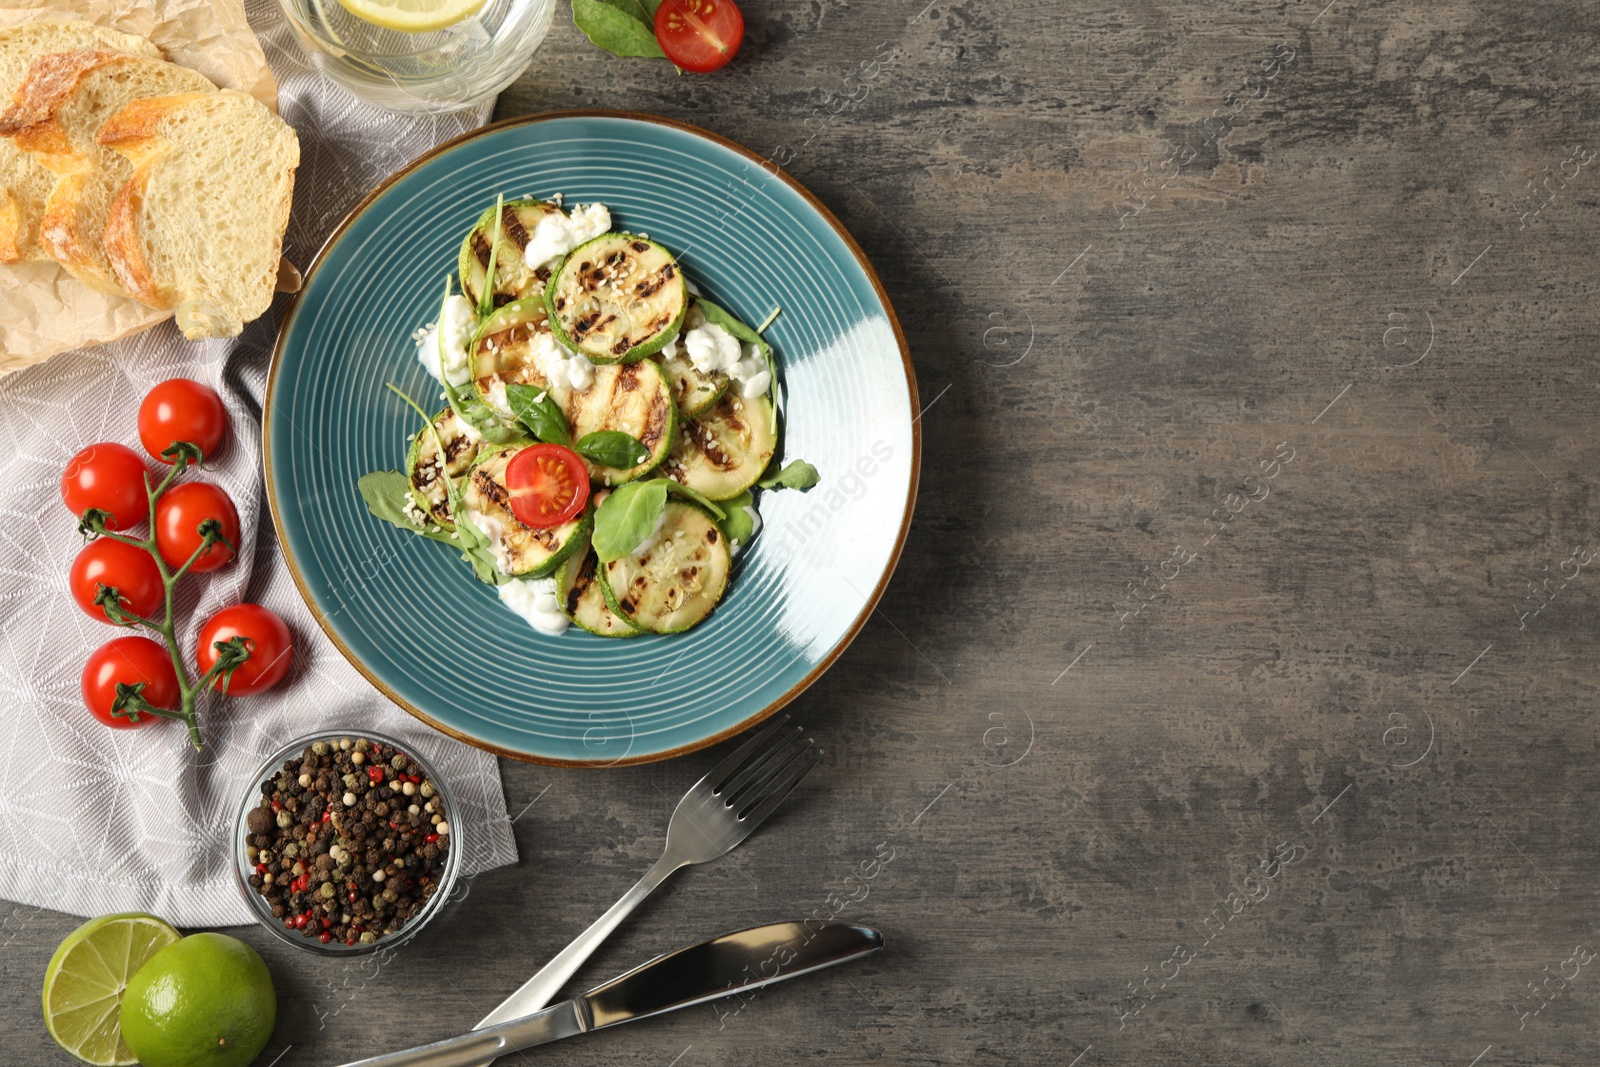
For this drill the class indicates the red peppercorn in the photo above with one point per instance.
(277, 806)
(324, 937)
(375, 773)
(262, 868)
(353, 896)
(430, 839)
(327, 816)
(350, 941)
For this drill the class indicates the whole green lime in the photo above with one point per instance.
(205, 1000)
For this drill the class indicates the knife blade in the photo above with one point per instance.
(733, 963)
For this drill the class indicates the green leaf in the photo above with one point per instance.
(491, 277)
(539, 413)
(618, 26)
(724, 318)
(612, 448)
(797, 475)
(627, 517)
(739, 525)
(679, 489)
(386, 494)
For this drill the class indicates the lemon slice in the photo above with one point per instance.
(413, 16)
(84, 982)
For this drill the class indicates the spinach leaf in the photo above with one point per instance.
(679, 489)
(627, 517)
(739, 525)
(621, 27)
(539, 413)
(612, 448)
(724, 318)
(797, 475)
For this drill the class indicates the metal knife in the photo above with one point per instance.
(732, 963)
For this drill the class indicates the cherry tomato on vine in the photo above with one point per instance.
(699, 35)
(129, 661)
(182, 410)
(549, 485)
(179, 513)
(110, 477)
(270, 643)
(129, 570)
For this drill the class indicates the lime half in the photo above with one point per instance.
(413, 16)
(84, 982)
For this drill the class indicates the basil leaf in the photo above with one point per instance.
(627, 517)
(679, 489)
(797, 475)
(618, 26)
(739, 525)
(612, 448)
(539, 413)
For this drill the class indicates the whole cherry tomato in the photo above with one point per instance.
(270, 643)
(129, 661)
(699, 35)
(179, 513)
(130, 571)
(110, 477)
(182, 410)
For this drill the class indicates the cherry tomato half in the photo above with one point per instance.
(699, 35)
(549, 485)
(271, 647)
(129, 660)
(179, 513)
(129, 570)
(182, 410)
(110, 477)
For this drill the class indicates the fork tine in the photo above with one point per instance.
(719, 774)
(756, 816)
(763, 758)
(751, 785)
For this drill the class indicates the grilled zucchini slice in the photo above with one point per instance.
(632, 398)
(513, 280)
(582, 600)
(693, 391)
(677, 583)
(616, 298)
(502, 354)
(520, 551)
(426, 473)
(724, 451)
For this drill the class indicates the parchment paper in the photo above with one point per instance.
(43, 309)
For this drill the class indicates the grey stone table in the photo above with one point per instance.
(1234, 700)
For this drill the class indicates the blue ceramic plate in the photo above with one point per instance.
(408, 613)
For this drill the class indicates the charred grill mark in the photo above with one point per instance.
(649, 287)
(501, 299)
(621, 347)
(711, 535)
(480, 249)
(639, 246)
(542, 274)
(582, 327)
(655, 425)
(455, 446)
(628, 378)
(512, 226)
(669, 272)
(492, 490)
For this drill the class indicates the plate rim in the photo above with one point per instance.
(839, 230)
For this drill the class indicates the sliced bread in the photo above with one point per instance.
(199, 226)
(57, 112)
(24, 183)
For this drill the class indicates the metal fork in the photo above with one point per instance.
(718, 812)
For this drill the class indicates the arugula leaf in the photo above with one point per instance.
(612, 448)
(679, 489)
(473, 411)
(475, 549)
(797, 475)
(491, 277)
(621, 27)
(539, 413)
(738, 526)
(386, 494)
(627, 517)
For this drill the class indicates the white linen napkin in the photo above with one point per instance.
(96, 820)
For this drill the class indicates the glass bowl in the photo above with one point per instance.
(243, 868)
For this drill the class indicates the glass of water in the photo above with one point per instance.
(439, 70)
